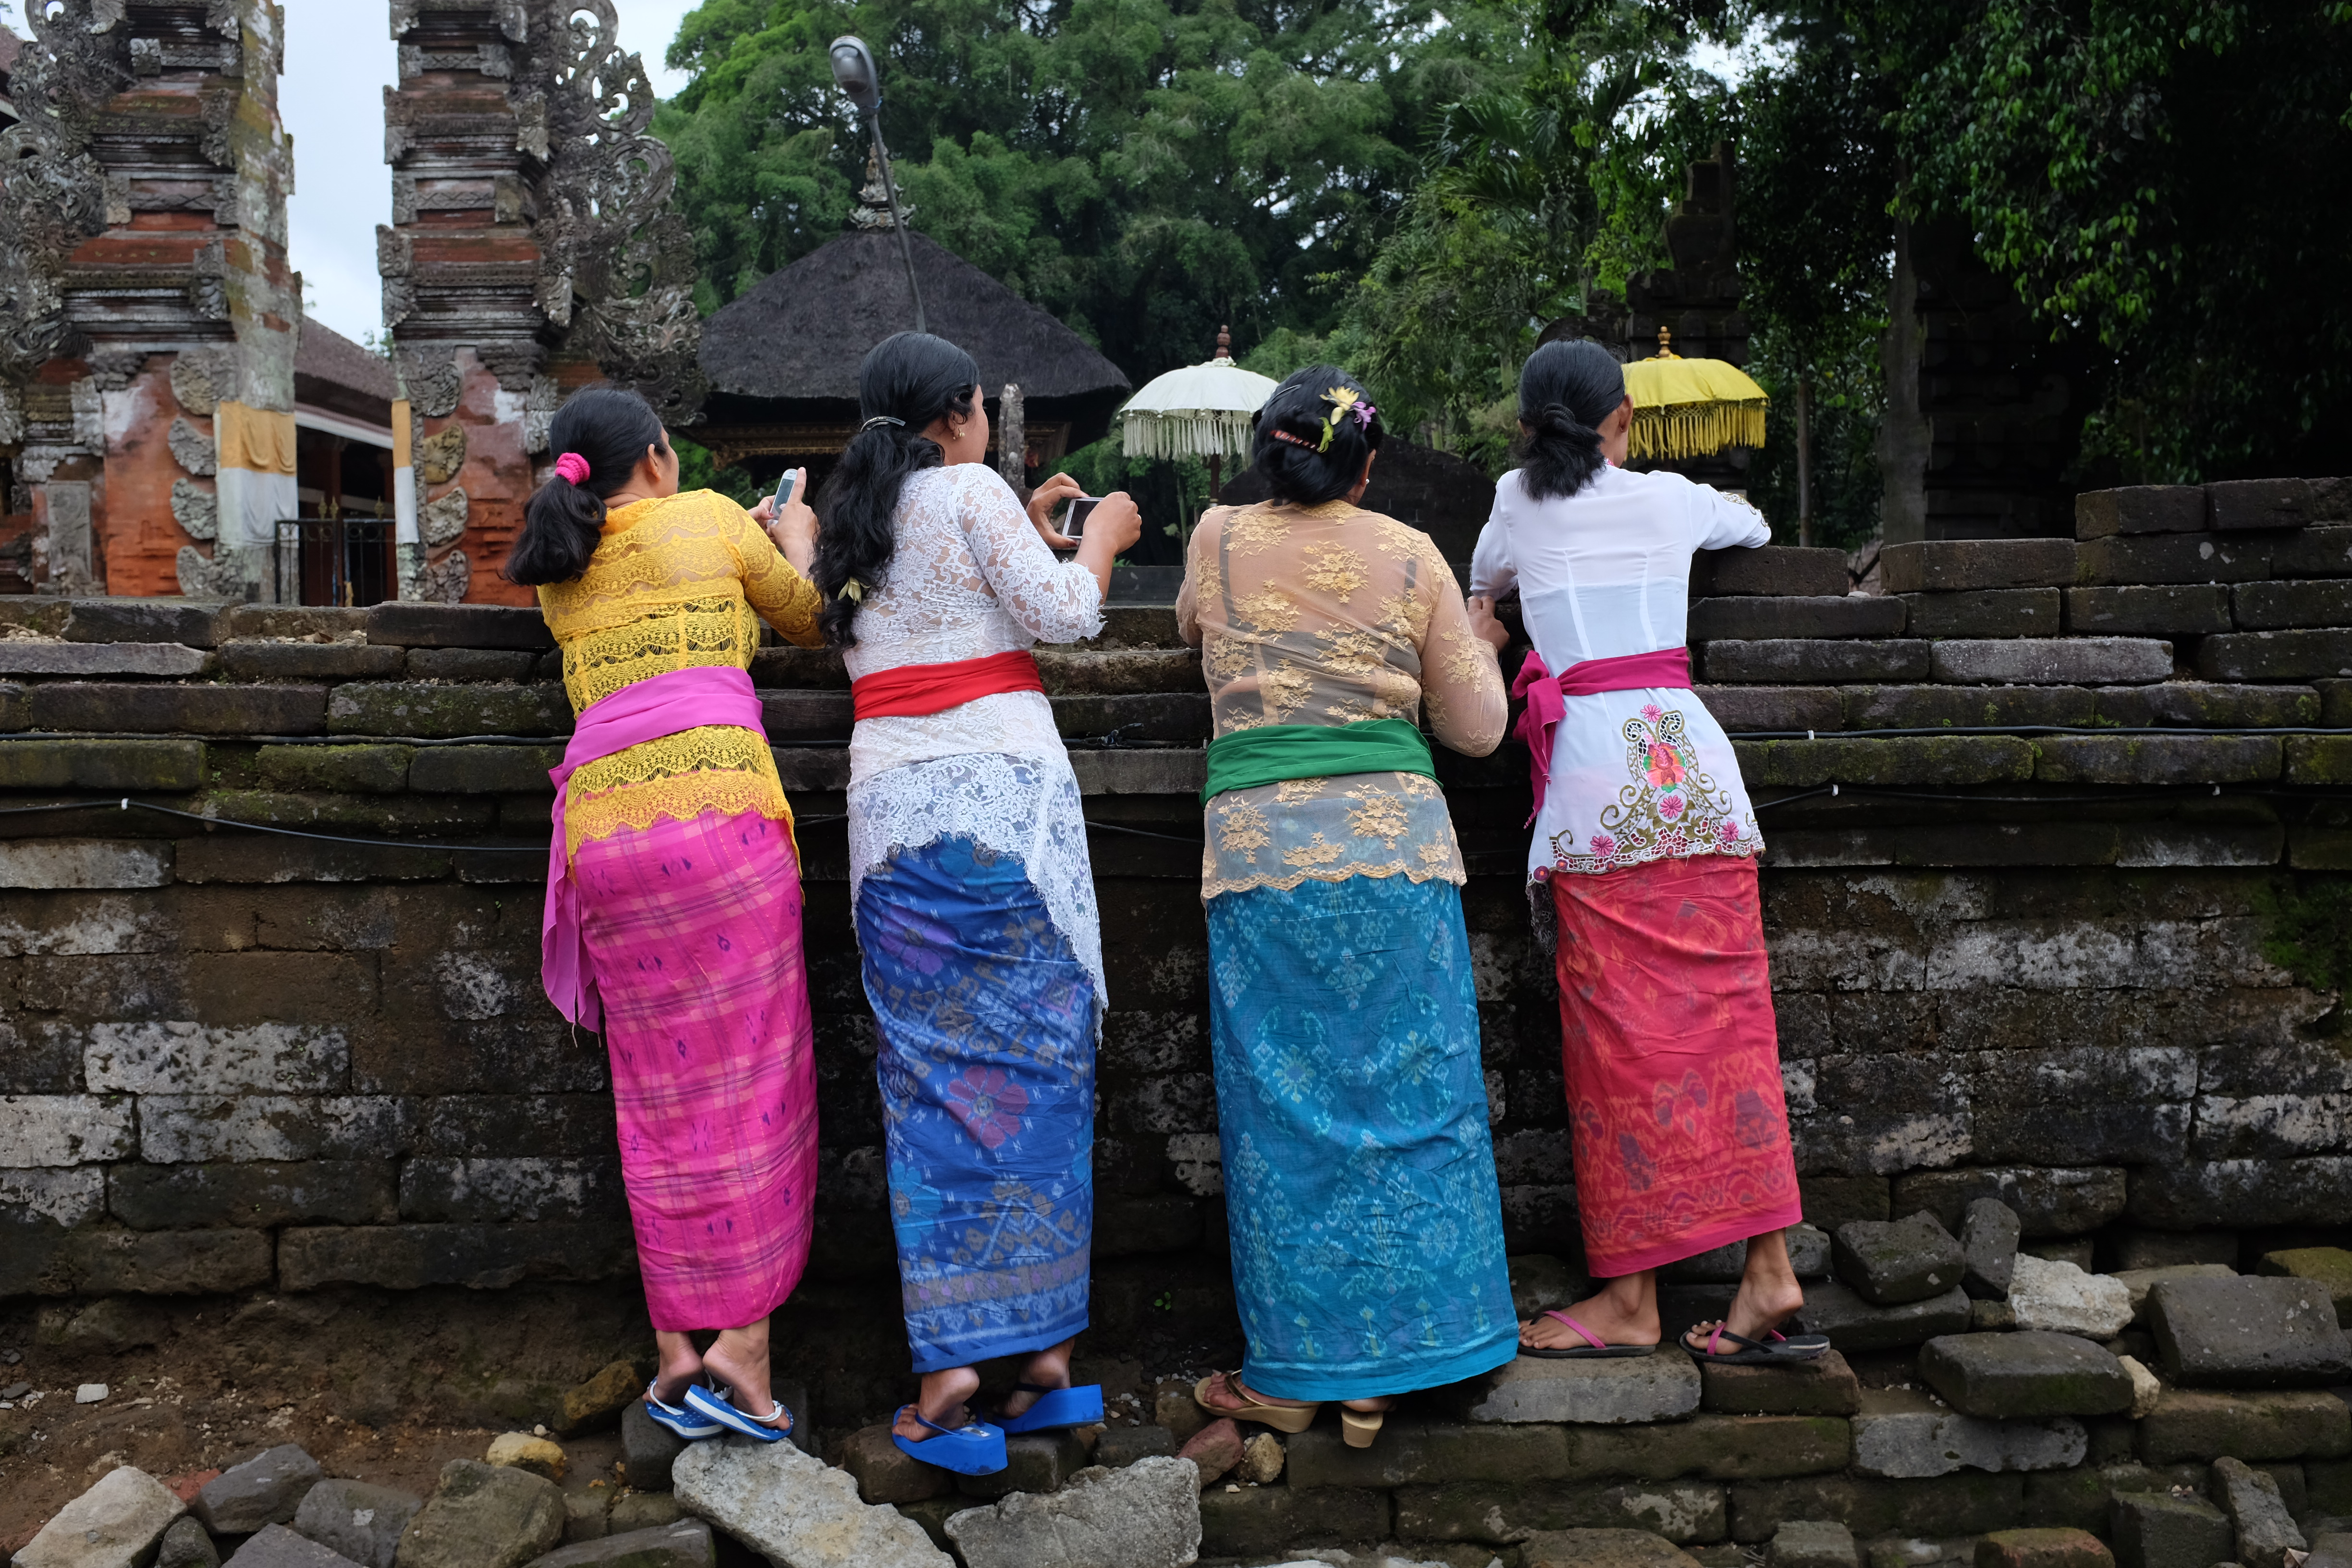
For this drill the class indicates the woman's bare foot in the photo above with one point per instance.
(1768, 1294)
(681, 1363)
(739, 1358)
(1228, 1395)
(1369, 1406)
(1049, 1368)
(1623, 1312)
(941, 1402)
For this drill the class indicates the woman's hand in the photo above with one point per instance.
(1483, 624)
(793, 528)
(1114, 525)
(1042, 503)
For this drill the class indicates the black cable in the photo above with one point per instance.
(2022, 730)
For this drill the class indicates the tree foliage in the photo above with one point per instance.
(1147, 169)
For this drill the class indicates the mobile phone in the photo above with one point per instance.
(783, 490)
(1074, 525)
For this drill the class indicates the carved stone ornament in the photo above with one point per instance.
(12, 421)
(435, 384)
(618, 262)
(115, 369)
(201, 376)
(89, 414)
(442, 519)
(444, 581)
(395, 257)
(195, 509)
(539, 412)
(53, 192)
(203, 577)
(440, 457)
(193, 449)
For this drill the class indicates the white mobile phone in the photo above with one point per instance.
(1074, 525)
(783, 490)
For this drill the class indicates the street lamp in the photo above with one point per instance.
(854, 72)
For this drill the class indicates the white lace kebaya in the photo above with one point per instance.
(1635, 775)
(971, 577)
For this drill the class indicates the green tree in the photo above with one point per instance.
(1148, 170)
(2172, 178)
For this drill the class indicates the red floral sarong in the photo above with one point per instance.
(1673, 1062)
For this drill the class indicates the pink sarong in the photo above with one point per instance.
(1673, 1061)
(693, 931)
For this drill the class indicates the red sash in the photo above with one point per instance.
(1667, 667)
(913, 690)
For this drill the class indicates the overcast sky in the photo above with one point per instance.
(338, 59)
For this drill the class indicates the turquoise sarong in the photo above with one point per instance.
(1359, 1174)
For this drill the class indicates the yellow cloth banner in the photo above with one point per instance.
(402, 423)
(254, 438)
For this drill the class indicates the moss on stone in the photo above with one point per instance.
(365, 770)
(2319, 760)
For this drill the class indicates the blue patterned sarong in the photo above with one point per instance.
(987, 1068)
(1359, 1173)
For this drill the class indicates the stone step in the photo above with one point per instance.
(804, 718)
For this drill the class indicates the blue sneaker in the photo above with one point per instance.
(683, 1422)
(1057, 1407)
(716, 1405)
(977, 1450)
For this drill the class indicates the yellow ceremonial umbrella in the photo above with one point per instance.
(1691, 407)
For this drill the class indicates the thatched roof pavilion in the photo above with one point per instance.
(783, 359)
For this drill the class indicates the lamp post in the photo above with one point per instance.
(854, 72)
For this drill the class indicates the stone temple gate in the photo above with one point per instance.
(149, 325)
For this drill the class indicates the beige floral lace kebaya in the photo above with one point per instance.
(1328, 616)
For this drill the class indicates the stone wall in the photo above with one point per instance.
(2039, 822)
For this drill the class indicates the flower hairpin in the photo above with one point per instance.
(1344, 401)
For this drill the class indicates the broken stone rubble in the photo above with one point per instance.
(265, 1490)
(2060, 1298)
(1145, 1516)
(795, 1510)
(2248, 1332)
(115, 1524)
(1889, 1263)
(483, 1516)
(357, 1521)
(2264, 1531)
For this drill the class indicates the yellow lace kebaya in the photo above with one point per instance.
(677, 583)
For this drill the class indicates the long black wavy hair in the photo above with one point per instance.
(1566, 390)
(1289, 446)
(908, 382)
(611, 428)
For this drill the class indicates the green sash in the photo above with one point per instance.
(1272, 752)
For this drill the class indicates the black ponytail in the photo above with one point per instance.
(609, 428)
(1289, 447)
(1566, 390)
(908, 383)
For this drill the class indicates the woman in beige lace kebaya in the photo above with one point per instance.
(1359, 1177)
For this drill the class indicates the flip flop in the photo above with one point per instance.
(1756, 1353)
(974, 1449)
(1055, 1407)
(680, 1420)
(718, 1406)
(1597, 1349)
(1293, 1418)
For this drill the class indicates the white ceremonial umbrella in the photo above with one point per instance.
(1200, 411)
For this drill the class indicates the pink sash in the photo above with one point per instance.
(681, 699)
(1667, 667)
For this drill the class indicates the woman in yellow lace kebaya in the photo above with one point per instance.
(1360, 1176)
(674, 899)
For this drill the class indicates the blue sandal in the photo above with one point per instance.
(683, 1422)
(716, 1406)
(977, 1450)
(1056, 1407)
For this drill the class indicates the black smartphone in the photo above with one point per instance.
(1074, 525)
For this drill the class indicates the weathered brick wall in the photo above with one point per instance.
(2016, 962)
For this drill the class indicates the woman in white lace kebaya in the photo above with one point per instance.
(972, 891)
(1359, 1173)
(1646, 837)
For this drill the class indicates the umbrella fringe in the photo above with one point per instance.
(1201, 435)
(1695, 429)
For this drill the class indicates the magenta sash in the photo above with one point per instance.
(1669, 667)
(681, 699)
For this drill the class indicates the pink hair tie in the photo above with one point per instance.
(572, 467)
